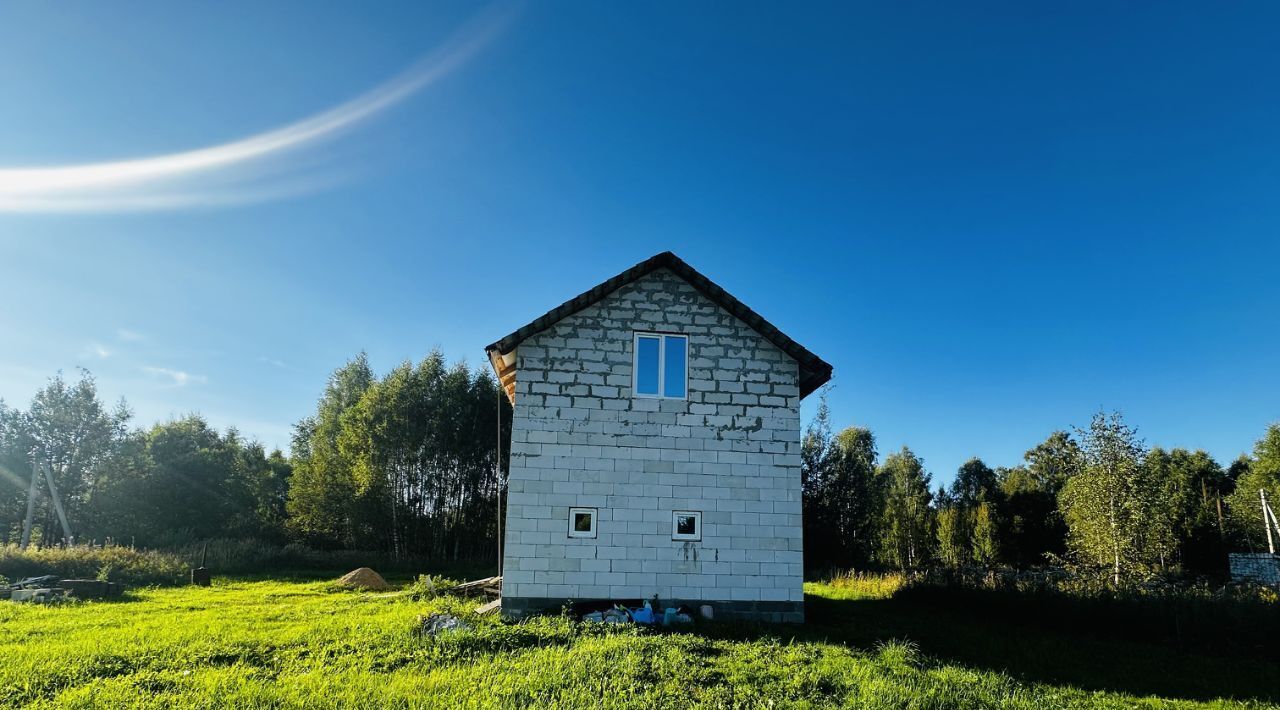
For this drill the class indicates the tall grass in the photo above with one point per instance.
(249, 556)
(1224, 619)
(854, 584)
(1220, 620)
(1085, 582)
(170, 565)
(117, 563)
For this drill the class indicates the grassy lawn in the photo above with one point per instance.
(266, 644)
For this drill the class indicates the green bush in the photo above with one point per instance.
(429, 586)
(252, 556)
(1234, 618)
(119, 564)
(170, 564)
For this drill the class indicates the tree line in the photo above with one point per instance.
(1094, 497)
(403, 464)
(171, 483)
(407, 464)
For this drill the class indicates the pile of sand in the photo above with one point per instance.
(363, 578)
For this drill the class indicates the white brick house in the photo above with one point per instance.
(655, 449)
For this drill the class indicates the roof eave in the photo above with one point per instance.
(814, 371)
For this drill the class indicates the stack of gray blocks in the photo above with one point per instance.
(1257, 567)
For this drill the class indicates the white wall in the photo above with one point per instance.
(732, 451)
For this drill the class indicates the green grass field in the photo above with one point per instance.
(300, 644)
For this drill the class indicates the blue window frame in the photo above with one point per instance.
(661, 365)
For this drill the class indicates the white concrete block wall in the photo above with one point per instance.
(1258, 567)
(731, 451)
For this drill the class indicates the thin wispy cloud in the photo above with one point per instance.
(95, 350)
(177, 378)
(261, 167)
(274, 363)
(129, 336)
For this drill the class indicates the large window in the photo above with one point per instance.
(662, 365)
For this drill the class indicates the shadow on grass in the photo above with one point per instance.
(974, 633)
(459, 571)
(128, 597)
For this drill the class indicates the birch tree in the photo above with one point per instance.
(905, 539)
(953, 544)
(1261, 473)
(1112, 505)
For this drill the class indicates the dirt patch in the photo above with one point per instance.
(363, 578)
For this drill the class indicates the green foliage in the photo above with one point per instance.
(854, 584)
(178, 477)
(15, 470)
(183, 477)
(429, 586)
(975, 483)
(1262, 472)
(842, 495)
(1237, 470)
(119, 564)
(396, 470)
(1115, 506)
(1054, 461)
(1031, 526)
(984, 535)
(906, 538)
(69, 428)
(404, 464)
(323, 488)
(967, 515)
(1190, 487)
(1157, 511)
(953, 543)
(1230, 619)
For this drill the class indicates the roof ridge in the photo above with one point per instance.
(814, 370)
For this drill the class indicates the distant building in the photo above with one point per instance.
(655, 449)
(1256, 567)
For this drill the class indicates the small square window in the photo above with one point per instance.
(661, 365)
(686, 525)
(582, 522)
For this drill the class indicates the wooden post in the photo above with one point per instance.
(32, 492)
(200, 576)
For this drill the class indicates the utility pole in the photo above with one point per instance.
(1222, 533)
(1268, 520)
(32, 491)
(57, 504)
(41, 469)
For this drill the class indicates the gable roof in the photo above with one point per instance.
(814, 371)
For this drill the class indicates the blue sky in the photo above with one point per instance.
(993, 219)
